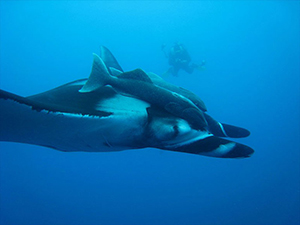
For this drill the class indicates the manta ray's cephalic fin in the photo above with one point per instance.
(225, 130)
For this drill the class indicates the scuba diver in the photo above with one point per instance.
(179, 58)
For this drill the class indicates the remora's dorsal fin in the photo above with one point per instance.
(98, 76)
(109, 59)
(137, 74)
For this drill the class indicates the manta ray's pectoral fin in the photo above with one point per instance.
(97, 77)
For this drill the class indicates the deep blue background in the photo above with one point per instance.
(252, 50)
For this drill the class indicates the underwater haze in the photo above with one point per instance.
(251, 79)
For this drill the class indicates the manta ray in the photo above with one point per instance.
(114, 110)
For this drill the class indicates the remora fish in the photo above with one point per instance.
(215, 127)
(138, 84)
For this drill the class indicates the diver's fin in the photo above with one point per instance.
(225, 130)
(137, 74)
(98, 77)
(109, 59)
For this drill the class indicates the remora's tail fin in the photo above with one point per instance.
(225, 130)
(109, 59)
(216, 147)
(98, 77)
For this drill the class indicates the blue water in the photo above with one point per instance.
(252, 80)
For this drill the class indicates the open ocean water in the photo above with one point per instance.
(252, 80)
